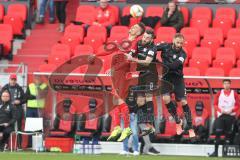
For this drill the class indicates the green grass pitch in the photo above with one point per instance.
(70, 156)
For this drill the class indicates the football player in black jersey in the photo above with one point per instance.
(145, 55)
(173, 56)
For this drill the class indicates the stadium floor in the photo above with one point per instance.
(69, 156)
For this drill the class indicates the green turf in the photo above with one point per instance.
(63, 156)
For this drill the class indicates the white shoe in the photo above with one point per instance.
(124, 153)
(136, 153)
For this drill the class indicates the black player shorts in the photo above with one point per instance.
(178, 86)
(148, 79)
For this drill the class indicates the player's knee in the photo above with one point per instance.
(166, 99)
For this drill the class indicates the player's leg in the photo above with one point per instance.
(218, 132)
(229, 123)
(180, 94)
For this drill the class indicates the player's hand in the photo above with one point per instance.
(5, 124)
(129, 57)
(16, 102)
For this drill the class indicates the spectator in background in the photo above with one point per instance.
(105, 15)
(17, 99)
(201, 121)
(226, 104)
(43, 5)
(61, 13)
(35, 95)
(172, 17)
(7, 118)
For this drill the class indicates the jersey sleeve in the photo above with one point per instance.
(152, 52)
(161, 46)
(182, 57)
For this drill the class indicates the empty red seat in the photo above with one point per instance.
(1, 12)
(213, 44)
(97, 31)
(224, 23)
(238, 63)
(152, 11)
(119, 33)
(212, 71)
(58, 59)
(16, 23)
(85, 14)
(72, 41)
(185, 13)
(61, 49)
(6, 37)
(234, 72)
(201, 24)
(165, 33)
(202, 53)
(75, 30)
(94, 42)
(214, 33)
(83, 50)
(189, 45)
(17, 10)
(191, 33)
(191, 71)
(47, 68)
(125, 11)
(234, 44)
(225, 64)
(233, 33)
(226, 12)
(201, 64)
(202, 13)
(226, 53)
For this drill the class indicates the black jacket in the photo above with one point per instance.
(18, 95)
(175, 20)
(7, 113)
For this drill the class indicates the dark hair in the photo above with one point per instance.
(227, 80)
(178, 35)
(142, 26)
(151, 32)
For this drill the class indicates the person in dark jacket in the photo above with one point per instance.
(61, 13)
(7, 118)
(172, 17)
(17, 99)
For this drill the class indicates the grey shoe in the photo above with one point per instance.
(61, 27)
(40, 20)
(51, 20)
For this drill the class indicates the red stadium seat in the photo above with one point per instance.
(72, 41)
(213, 44)
(1, 12)
(202, 53)
(185, 13)
(214, 33)
(189, 45)
(85, 14)
(47, 68)
(57, 59)
(6, 37)
(238, 22)
(234, 44)
(201, 64)
(202, 13)
(76, 30)
(238, 63)
(163, 40)
(97, 31)
(224, 23)
(226, 12)
(234, 72)
(94, 42)
(233, 33)
(153, 11)
(83, 49)
(61, 49)
(165, 33)
(119, 32)
(191, 71)
(226, 53)
(191, 33)
(126, 11)
(116, 12)
(225, 64)
(212, 71)
(201, 24)
(16, 23)
(17, 10)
